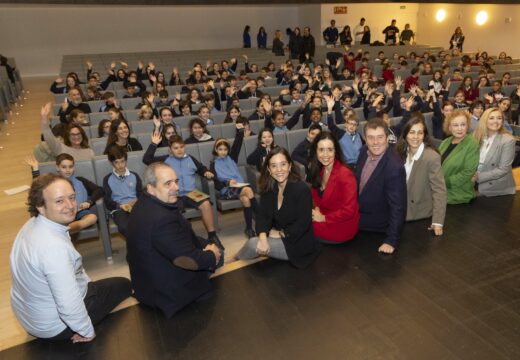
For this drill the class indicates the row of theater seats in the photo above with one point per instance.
(120, 92)
(184, 61)
(142, 131)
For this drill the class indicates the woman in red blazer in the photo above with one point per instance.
(335, 216)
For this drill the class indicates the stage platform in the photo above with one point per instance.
(450, 297)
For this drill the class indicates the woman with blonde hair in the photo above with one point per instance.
(494, 175)
(459, 157)
(145, 113)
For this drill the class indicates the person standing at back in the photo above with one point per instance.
(246, 37)
(331, 34)
(359, 30)
(308, 46)
(391, 32)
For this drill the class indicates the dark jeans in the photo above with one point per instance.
(101, 298)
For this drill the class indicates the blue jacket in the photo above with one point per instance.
(261, 40)
(382, 203)
(186, 168)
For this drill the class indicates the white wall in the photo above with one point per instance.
(377, 15)
(495, 36)
(309, 15)
(38, 36)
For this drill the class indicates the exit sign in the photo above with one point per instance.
(340, 9)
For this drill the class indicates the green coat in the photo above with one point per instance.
(459, 168)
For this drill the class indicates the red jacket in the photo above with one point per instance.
(339, 204)
(409, 82)
(351, 65)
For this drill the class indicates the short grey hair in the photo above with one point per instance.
(150, 177)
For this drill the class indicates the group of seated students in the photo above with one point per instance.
(310, 87)
(349, 183)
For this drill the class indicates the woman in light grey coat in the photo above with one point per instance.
(426, 188)
(494, 175)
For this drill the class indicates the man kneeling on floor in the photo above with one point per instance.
(51, 294)
(169, 264)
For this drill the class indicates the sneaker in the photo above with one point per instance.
(215, 240)
(250, 233)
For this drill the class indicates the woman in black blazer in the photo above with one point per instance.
(284, 219)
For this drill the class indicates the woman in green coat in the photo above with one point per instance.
(460, 157)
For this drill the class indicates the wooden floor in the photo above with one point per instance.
(455, 297)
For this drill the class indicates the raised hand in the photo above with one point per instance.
(59, 80)
(45, 111)
(89, 65)
(112, 65)
(32, 162)
(398, 82)
(378, 100)
(329, 100)
(156, 137)
(124, 64)
(140, 65)
(409, 103)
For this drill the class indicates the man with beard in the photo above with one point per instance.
(73, 101)
(308, 46)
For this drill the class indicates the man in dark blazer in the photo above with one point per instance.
(169, 264)
(382, 186)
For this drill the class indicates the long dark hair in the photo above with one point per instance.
(402, 144)
(112, 135)
(314, 164)
(260, 135)
(266, 182)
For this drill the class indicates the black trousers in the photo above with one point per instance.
(121, 219)
(101, 298)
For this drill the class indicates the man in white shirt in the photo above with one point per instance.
(359, 30)
(51, 294)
